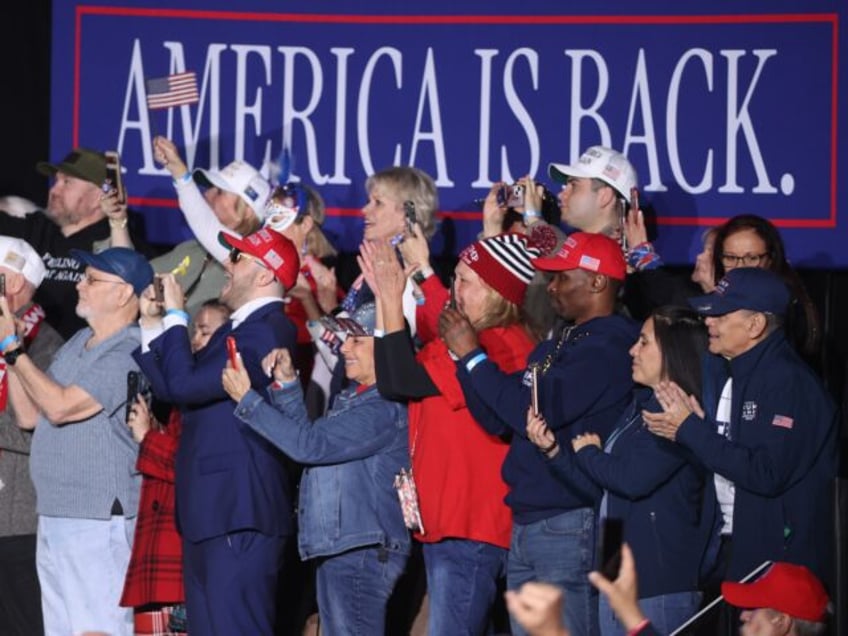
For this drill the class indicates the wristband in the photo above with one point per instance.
(10, 339)
(118, 224)
(290, 383)
(178, 312)
(469, 366)
(183, 179)
(548, 449)
(420, 275)
(529, 215)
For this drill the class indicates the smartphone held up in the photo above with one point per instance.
(114, 180)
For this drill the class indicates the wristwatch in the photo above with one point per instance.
(420, 275)
(12, 356)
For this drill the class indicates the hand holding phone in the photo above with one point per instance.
(158, 289)
(2, 284)
(114, 179)
(232, 352)
(133, 389)
(452, 301)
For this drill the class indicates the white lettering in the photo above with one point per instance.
(362, 105)
(520, 112)
(429, 94)
(579, 112)
(292, 114)
(253, 110)
(485, 55)
(642, 94)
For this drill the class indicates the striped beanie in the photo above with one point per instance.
(503, 262)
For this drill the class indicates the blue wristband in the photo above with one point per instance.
(178, 312)
(183, 179)
(290, 383)
(469, 366)
(10, 339)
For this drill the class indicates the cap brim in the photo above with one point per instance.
(552, 264)
(50, 170)
(91, 260)
(560, 172)
(209, 179)
(742, 595)
(231, 241)
(711, 305)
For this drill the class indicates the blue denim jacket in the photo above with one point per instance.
(347, 498)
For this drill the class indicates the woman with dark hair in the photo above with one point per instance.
(748, 240)
(651, 487)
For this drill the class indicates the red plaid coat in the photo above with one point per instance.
(155, 573)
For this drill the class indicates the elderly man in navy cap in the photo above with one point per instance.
(767, 430)
(83, 455)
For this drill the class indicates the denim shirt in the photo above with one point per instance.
(347, 498)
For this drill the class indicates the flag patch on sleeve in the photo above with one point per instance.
(782, 421)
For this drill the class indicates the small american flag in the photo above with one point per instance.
(175, 90)
(782, 421)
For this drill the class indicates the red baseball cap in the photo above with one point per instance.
(591, 252)
(788, 588)
(272, 248)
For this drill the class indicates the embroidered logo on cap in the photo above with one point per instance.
(590, 263)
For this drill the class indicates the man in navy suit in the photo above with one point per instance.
(233, 503)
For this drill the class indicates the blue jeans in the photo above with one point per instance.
(462, 580)
(666, 612)
(353, 589)
(558, 550)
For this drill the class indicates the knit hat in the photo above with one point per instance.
(787, 588)
(272, 248)
(591, 252)
(503, 262)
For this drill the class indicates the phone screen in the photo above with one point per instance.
(133, 389)
(2, 284)
(159, 289)
(452, 302)
(609, 547)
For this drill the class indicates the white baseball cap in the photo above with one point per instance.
(242, 179)
(599, 162)
(19, 256)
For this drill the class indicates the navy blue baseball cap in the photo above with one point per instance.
(123, 262)
(748, 288)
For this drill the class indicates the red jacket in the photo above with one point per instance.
(155, 573)
(456, 464)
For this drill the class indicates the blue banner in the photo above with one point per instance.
(720, 112)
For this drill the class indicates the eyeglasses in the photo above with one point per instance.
(90, 280)
(748, 260)
(236, 255)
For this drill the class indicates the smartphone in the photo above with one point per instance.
(114, 180)
(133, 389)
(2, 284)
(634, 210)
(232, 351)
(534, 389)
(609, 547)
(409, 212)
(452, 301)
(158, 289)
(511, 196)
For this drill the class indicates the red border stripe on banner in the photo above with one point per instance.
(192, 14)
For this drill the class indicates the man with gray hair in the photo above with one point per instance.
(83, 454)
(21, 272)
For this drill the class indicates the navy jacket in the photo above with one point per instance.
(657, 493)
(781, 456)
(347, 498)
(585, 388)
(228, 478)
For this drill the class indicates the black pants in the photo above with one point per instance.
(20, 594)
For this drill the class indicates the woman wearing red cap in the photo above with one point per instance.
(464, 525)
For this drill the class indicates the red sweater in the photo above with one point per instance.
(456, 464)
(155, 573)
